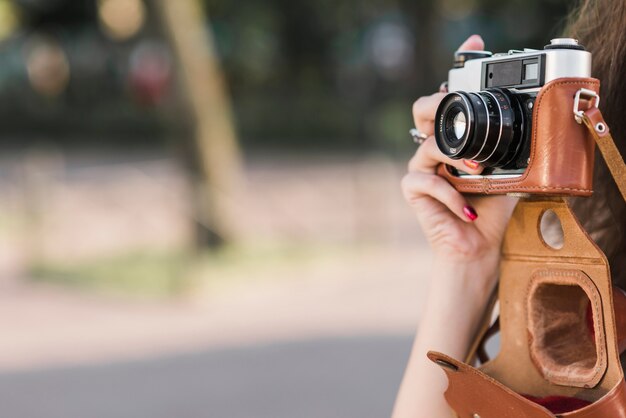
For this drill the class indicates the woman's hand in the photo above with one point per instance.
(458, 228)
(465, 234)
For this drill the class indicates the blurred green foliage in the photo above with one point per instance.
(162, 274)
(304, 75)
(105, 101)
(343, 75)
(142, 274)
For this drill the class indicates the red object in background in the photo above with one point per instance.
(150, 72)
(558, 404)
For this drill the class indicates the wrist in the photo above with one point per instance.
(458, 295)
(475, 278)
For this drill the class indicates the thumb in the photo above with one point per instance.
(473, 43)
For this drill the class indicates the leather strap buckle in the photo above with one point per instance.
(586, 94)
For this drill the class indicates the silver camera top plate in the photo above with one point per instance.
(526, 70)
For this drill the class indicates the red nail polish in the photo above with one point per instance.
(471, 164)
(470, 212)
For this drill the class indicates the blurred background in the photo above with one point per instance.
(200, 213)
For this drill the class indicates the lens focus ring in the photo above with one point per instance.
(492, 131)
(446, 124)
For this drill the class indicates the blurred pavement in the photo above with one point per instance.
(336, 345)
(332, 378)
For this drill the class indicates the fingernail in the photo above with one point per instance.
(470, 212)
(471, 164)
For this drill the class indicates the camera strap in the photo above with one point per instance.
(594, 121)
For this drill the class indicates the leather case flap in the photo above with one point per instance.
(612, 405)
(526, 261)
(562, 280)
(471, 391)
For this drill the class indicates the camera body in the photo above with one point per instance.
(492, 115)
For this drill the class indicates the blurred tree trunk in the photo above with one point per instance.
(203, 91)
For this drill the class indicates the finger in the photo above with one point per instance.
(501, 204)
(425, 107)
(428, 157)
(473, 43)
(416, 186)
(424, 110)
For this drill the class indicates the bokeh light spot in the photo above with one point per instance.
(121, 19)
(47, 67)
(456, 9)
(9, 19)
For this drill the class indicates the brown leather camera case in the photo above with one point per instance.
(560, 336)
(561, 152)
(544, 294)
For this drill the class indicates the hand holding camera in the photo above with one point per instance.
(505, 127)
(458, 227)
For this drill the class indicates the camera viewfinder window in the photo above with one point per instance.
(531, 71)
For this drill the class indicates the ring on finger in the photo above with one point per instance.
(418, 137)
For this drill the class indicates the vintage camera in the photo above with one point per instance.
(490, 114)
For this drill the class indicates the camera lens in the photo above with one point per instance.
(486, 127)
(459, 124)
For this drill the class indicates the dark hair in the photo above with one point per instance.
(600, 25)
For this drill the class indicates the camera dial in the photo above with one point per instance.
(460, 57)
(564, 43)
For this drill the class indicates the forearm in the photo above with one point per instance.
(456, 300)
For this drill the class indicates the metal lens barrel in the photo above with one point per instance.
(486, 127)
